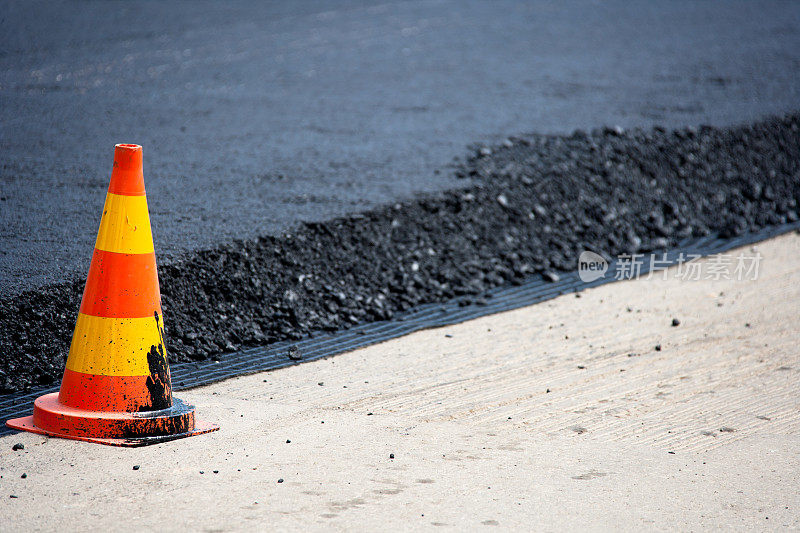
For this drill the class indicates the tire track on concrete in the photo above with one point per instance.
(699, 382)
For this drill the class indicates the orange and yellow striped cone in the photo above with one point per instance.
(116, 387)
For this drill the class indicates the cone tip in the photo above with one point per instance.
(126, 175)
(128, 147)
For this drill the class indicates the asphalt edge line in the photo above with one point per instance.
(321, 345)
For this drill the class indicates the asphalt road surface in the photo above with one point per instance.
(254, 116)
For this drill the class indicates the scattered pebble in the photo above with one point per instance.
(675, 322)
(658, 347)
(550, 276)
(288, 441)
(280, 480)
(18, 446)
(136, 467)
(23, 476)
(391, 456)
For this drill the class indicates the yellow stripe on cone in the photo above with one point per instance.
(125, 226)
(113, 346)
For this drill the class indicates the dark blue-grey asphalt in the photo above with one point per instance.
(255, 116)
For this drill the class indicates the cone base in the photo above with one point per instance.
(54, 419)
(26, 424)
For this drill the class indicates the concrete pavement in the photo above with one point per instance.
(702, 434)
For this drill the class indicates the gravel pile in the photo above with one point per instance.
(528, 207)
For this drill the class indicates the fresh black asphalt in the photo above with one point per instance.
(257, 115)
(527, 209)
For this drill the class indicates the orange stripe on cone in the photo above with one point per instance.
(104, 393)
(117, 388)
(122, 286)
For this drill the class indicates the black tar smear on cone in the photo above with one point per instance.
(531, 205)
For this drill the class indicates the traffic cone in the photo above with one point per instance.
(116, 387)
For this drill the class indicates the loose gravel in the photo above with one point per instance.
(528, 208)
